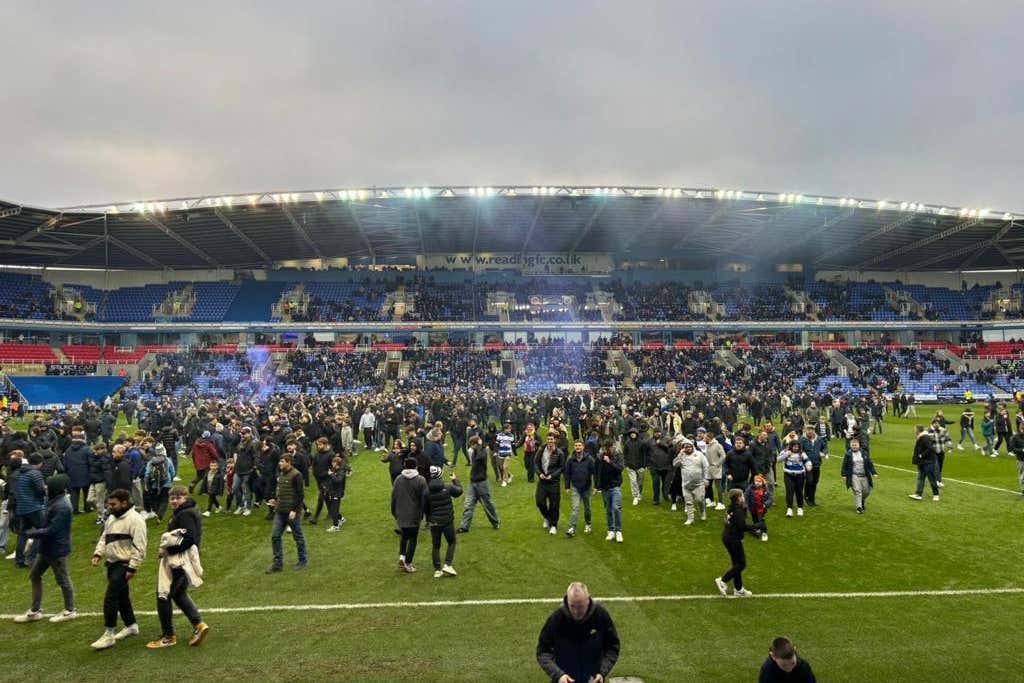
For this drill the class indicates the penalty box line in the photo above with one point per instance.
(501, 602)
(956, 481)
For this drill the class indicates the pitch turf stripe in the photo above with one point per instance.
(951, 593)
(958, 481)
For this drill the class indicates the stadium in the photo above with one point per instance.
(607, 344)
(510, 303)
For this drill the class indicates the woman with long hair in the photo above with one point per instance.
(732, 538)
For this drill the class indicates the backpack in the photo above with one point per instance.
(157, 476)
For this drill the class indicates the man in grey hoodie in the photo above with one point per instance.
(693, 468)
(407, 508)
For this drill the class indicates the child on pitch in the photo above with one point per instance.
(759, 500)
(214, 487)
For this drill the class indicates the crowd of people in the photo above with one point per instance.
(710, 451)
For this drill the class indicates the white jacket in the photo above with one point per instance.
(188, 561)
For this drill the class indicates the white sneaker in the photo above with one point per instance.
(703, 516)
(177, 479)
(331, 529)
(438, 574)
(546, 524)
(935, 498)
(940, 485)
(915, 496)
(571, 532)
(799, 512)
(553, 531)
(722, 587)
(104, 641)
(206, 514)
(977, 447)
(28, 616)
(720, 506)
(993, 455)
(708, 502)
(239, 511)
(504, 484)
(742, 593)
(789, 512)
(449, 570)
(959, 447)
(587, 529)
(636, 501)
(610, 536)
(11, 556)
(688, 522)
(65, 615)
(247, 512)
(618, 537)
(127, 632)
(764, 536)
(674, 507)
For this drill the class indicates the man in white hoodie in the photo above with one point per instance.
(693, 468)
(368, 426)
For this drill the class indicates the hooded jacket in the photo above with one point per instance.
(76, 463)
(54, 535)
(203, 453)
(407, 498)
(582, 648)
(437, 501)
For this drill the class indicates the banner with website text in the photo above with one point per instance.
(530, 263)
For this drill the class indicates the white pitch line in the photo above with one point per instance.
(957, 481)
(695, 597)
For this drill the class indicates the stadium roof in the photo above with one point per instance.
(696, 226)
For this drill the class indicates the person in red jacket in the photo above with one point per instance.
(203, 453)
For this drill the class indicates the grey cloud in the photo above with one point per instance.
(116, 101)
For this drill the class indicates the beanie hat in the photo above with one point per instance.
(435, 472)
(58, 484)
(206, 434)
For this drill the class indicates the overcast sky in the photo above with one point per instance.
(915, 101)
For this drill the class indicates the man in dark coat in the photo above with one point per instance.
(579, 641)
(76, 464)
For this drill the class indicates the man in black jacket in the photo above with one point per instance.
(189, 524)
(783, 664)
(578, 641)
(550, 463)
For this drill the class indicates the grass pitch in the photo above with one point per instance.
(969, 540)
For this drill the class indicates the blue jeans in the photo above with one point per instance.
(280, 521)
(478, 491)
(577, 497)
(613, 508)
(242, 490)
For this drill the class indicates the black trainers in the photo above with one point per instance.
(301, 565)
(461, 530)
(274, 568)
